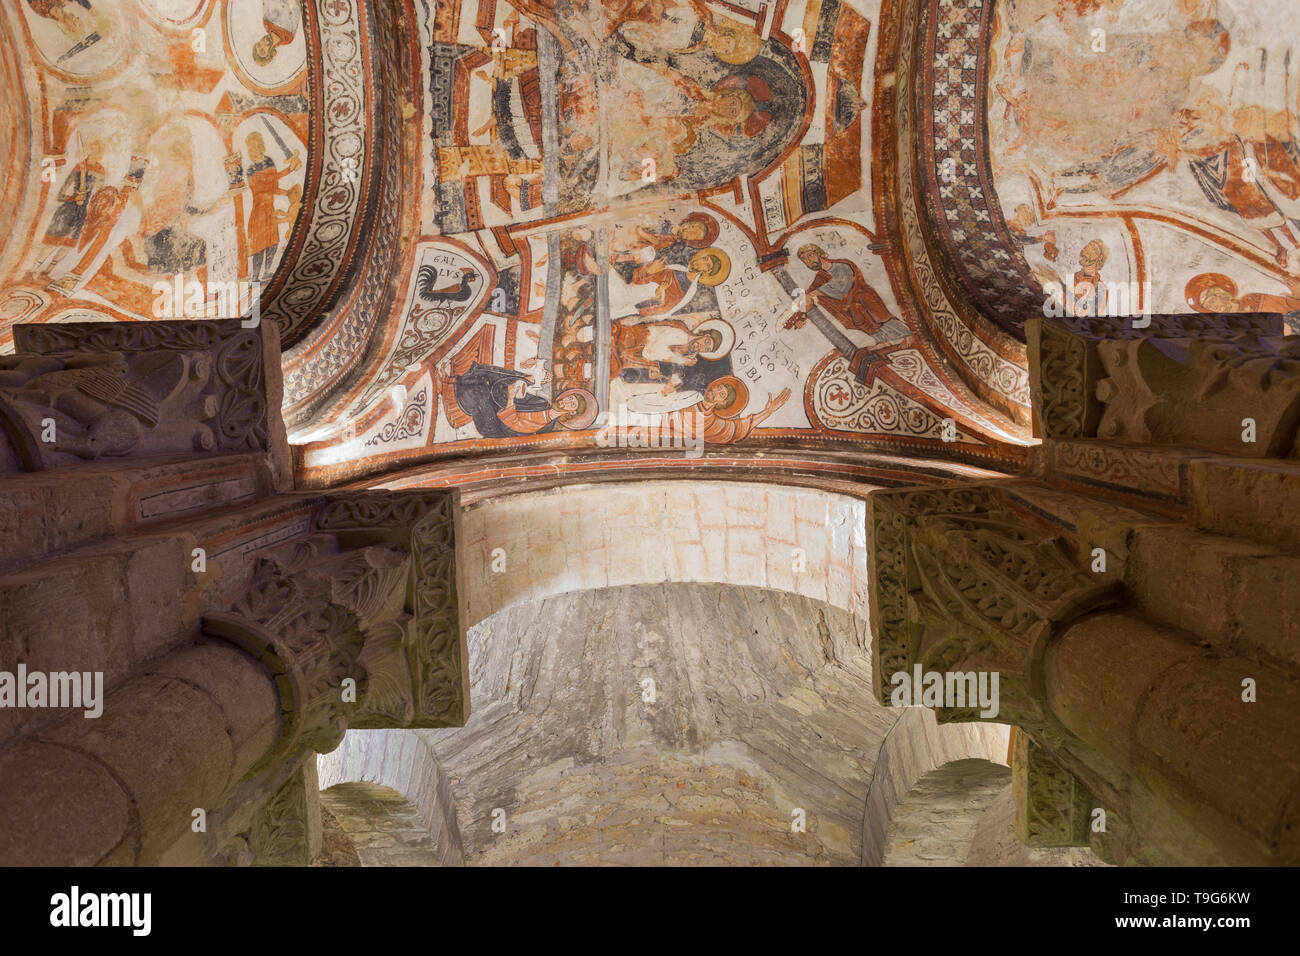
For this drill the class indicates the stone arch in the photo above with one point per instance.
(748, 534)
(941, 795)
(368, 824)
(404, 765)
(937, 820)
(607, 535)
(916, 746)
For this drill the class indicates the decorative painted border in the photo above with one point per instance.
(963, 209)
(325, 241)
(316, 367)
(991, 361)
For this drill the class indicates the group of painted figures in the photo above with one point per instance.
(118, 233)
(670, 348)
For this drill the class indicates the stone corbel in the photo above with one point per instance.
(286, 830)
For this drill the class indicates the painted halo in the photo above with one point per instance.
(1203, 283)
(726, 343)
(742, 396)
(720, 276)
(585, 416)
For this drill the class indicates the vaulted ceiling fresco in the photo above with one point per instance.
(169, 140)
(1171, 185)
(1177, 173)
(563, 226)
(655, 217)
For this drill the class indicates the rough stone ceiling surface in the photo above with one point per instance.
(761, 704)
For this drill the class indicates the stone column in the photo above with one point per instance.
(226, 665)
(1212, 777)
(117, 790)
(361, 624)
(1193, 756)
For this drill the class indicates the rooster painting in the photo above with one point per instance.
(447, 295)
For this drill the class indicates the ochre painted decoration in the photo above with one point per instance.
(166, 156)
(646, 224)
(1148, 147)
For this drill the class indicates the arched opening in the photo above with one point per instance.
(667, 672)
(916, 746)
(397, 763)
(936, 820)
(368, 824)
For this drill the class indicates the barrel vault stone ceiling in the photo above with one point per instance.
(696, 740)
(703, 764)
(488, 227)
(805, 232)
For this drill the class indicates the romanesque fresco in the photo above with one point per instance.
(1150, 150)
(652, 217)
(165, 162)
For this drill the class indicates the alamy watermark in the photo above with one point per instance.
(179, 298)
(84, 689)
(75, 909)
(950, 689)
(681, 430)
(1093, 299)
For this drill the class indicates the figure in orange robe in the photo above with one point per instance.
(263, 234)
(648, 344)
(716, 418)
(1215, 292)
(839, 288)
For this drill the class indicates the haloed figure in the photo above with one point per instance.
(839, 287)
(280, 19)
(1217, 293)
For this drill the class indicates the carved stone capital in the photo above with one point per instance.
(368, 595)
(1053, 808)
(143, 389)
(1065, 365)
(1211, 394)
(65, 406)
(961, 583)
(309, 626)
(431, 640)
